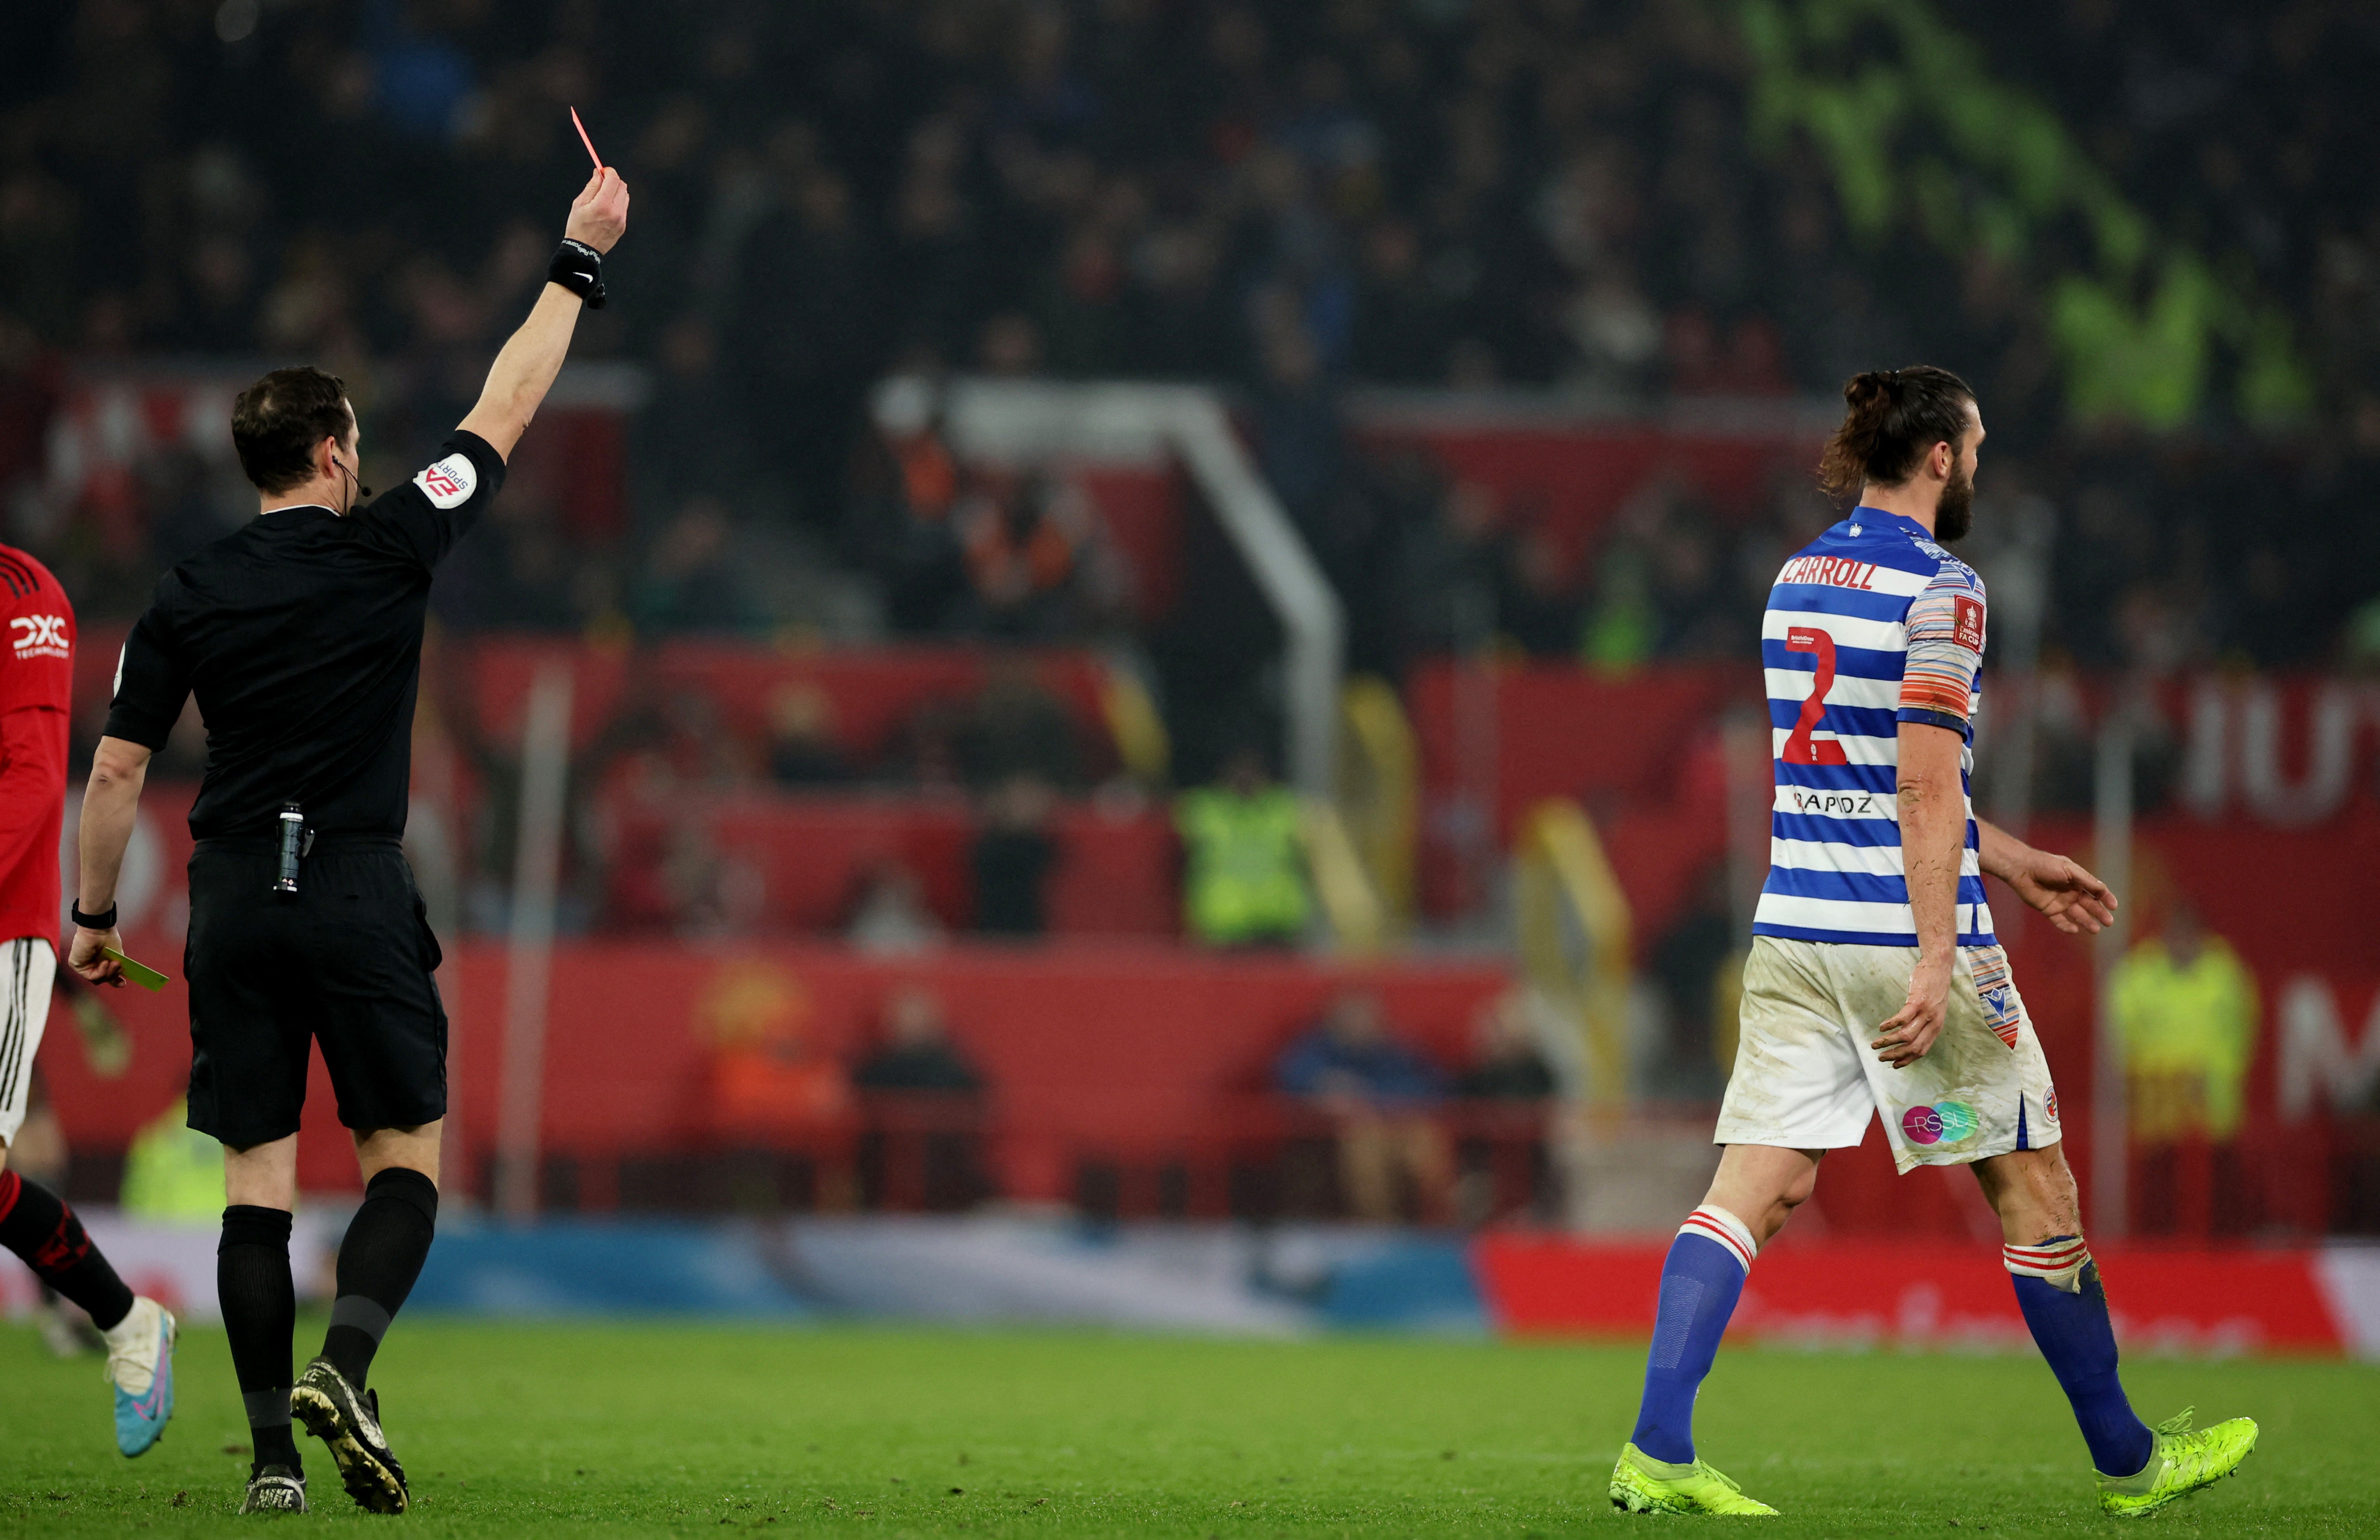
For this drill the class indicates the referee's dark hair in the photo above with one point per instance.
(277, 421)
(1896, 418)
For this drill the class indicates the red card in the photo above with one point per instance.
(585, 140)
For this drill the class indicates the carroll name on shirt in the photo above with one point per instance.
(1835, 572)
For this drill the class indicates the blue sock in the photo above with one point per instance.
(1700, 1283)
(2057, 1288)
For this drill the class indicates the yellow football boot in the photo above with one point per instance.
(1641, 1484)
(2180, 1464)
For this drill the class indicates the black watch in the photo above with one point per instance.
(94, 921)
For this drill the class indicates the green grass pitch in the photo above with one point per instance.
(686, 1429)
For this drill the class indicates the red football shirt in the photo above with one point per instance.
(37, 632)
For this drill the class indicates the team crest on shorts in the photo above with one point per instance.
(1943, 1123)
(1995, 991)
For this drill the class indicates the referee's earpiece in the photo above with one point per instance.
(362, 492)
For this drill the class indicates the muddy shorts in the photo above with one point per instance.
(1806, 1079)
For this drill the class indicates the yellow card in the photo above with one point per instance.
(142, 973)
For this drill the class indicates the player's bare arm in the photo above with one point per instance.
(110, 802)
(525, 367)
(2071, 899)
(1933, 833)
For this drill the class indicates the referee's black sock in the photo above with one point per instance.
(37, 1225)
(386, 1244)
(259, 1310)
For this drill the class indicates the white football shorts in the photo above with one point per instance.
(26, 964)
(1806, 1079)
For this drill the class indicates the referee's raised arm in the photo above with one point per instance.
(524, 371)
(308, 462)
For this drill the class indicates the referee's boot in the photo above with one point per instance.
(348, 1421)
(274, 1489)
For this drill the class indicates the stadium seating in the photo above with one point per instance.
(872, 690)
(1115, 875)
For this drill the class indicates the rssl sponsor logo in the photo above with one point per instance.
(1943, 1123)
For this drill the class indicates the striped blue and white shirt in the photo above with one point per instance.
(1870, 626)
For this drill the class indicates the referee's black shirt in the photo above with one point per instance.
(301, 635)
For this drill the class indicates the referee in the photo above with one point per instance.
(301, 635)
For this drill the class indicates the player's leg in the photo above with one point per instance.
(1982, 1098)
(1983, 1095)
(1758, 1186)
(1702, 1277)
(38, 1154)
(2065, 1306)
(36, 1223)
(1797, 1090)
(2057, 1288)
(42, 1229)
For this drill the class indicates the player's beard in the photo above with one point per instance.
(1956, 512)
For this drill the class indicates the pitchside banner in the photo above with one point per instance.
(1941, 1296)
(1282, 1281)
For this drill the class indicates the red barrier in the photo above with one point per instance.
(1917, 1294)
(1113, 1050)
(1120, 1050)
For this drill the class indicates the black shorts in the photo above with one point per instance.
(345, 961)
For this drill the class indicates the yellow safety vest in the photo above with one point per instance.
(2189, 1033)
(1247, 876)
(173, 1171)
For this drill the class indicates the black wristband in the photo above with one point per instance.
(578, 267)
(94, 921)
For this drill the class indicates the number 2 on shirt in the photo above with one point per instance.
(1801, 748)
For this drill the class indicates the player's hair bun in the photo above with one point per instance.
(1891, 419)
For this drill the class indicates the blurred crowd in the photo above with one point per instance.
(1455, 194)
(1352, 1118)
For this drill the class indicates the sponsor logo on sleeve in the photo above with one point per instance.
(1969, 632)
(450, 483)
(40, 637)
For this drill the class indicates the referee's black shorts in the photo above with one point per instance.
(345, 962)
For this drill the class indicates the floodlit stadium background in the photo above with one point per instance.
(1007, 413)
